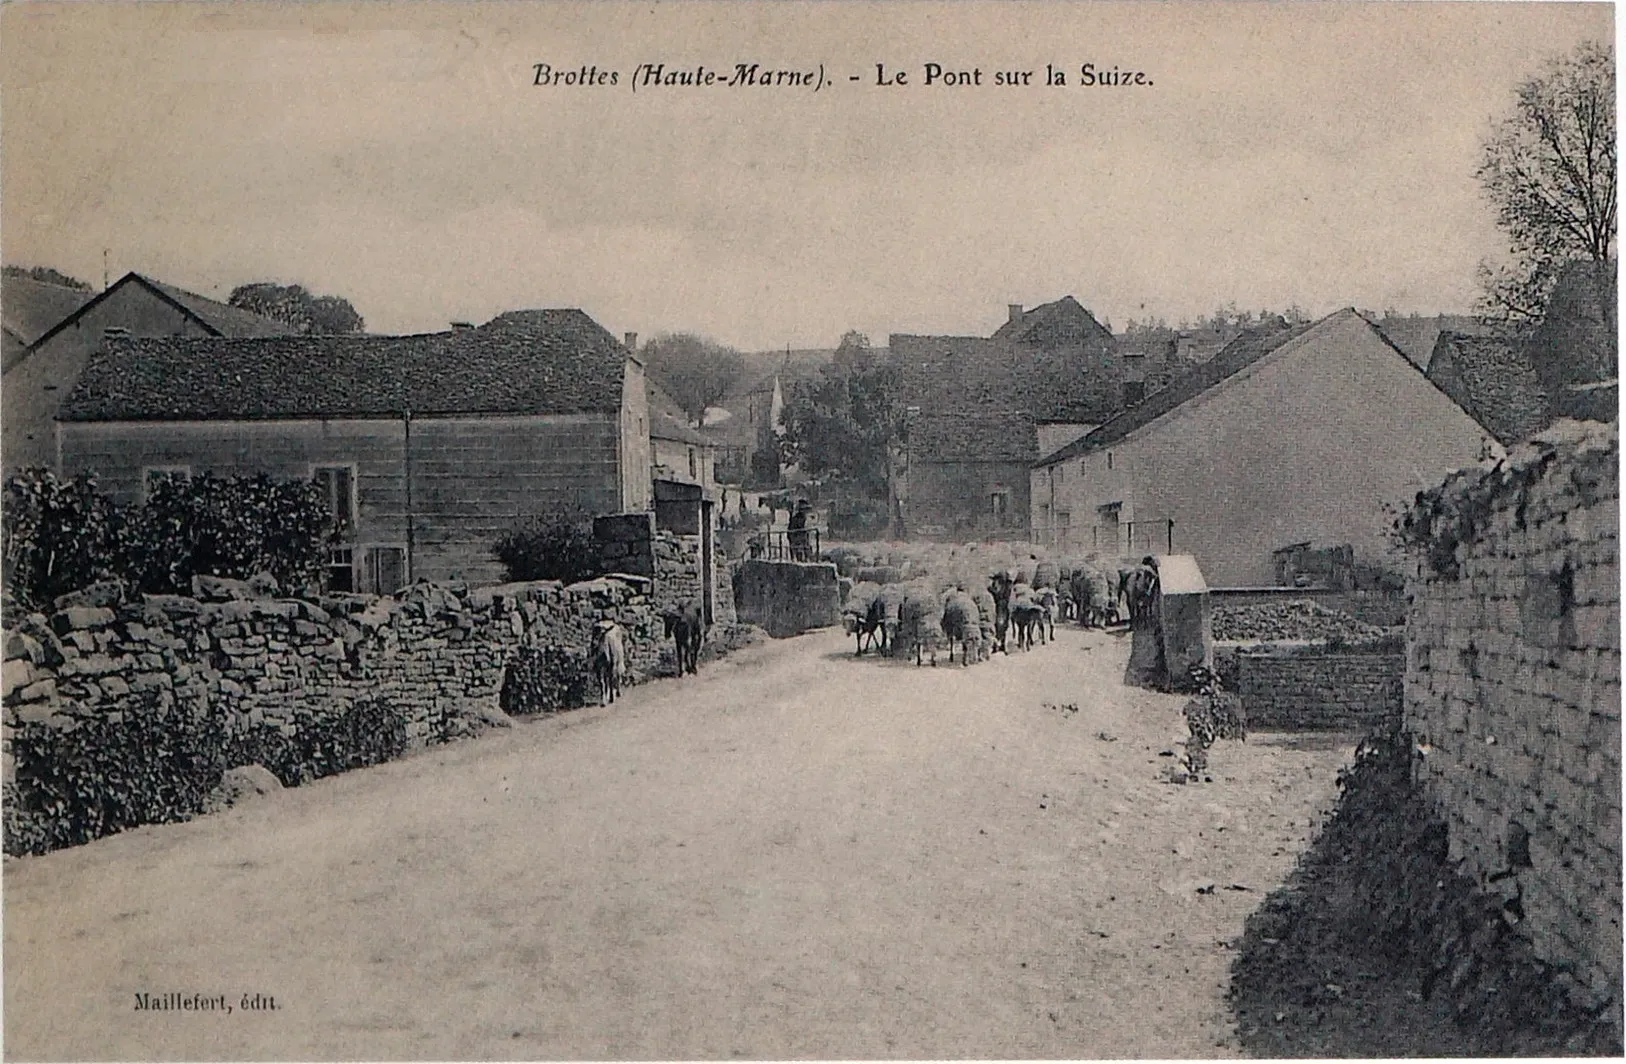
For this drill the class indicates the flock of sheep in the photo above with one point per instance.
(970, 601)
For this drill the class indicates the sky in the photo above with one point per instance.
(401, 155)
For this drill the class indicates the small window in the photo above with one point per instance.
(341, 570)
(694, 469)
(1109, 459)
(1061, 474)
(339, 485)
(1000, 505)
(1064, 520)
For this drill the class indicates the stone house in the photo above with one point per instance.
(1290, 434)
(35, 386)
(983, 409)
(431, 446)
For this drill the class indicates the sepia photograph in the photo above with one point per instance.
(822, 529)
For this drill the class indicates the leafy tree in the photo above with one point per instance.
(293, 305)
(557, 546)
(1548, 168)
(694, 371)
(840, 425)
(46, 275)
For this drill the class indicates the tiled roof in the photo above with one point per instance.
(1416, 336)
(222, 318)
(528, 362)
(1065, 310)
(969, 437)
(217, 318)
(1238, 355)
(29, 308)
(1493, 381)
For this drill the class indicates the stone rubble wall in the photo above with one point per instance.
(437, 653)
(1512, 692)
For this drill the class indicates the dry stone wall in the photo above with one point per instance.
(1512, 690)
(438, 654)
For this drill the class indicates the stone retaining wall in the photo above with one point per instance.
(1313, 687)
(787, 598)
(1512, 691)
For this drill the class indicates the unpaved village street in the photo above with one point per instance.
(793, 854)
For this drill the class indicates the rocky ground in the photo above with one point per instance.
(794, 854)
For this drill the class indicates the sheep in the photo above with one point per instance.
(963, 623)
(919, 623)
(608, 656)
(985, 615)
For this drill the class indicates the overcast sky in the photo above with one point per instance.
(399, 155)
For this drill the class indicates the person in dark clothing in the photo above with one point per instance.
(798, 532)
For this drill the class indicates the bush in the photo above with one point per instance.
(553, 547)
(158, 766)
(58, 536)
(152, 766)
(227, 526)
(364, 733)
(544, 680)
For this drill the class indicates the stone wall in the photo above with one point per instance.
(1313, 687)
(787, 598)
(1512, 690)
(436, 653)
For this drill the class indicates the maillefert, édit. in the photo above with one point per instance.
(175, 1001)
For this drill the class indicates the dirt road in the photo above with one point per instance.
(794, 854)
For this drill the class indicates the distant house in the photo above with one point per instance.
(678, 451)
(1288, 435)
(431, 446)
(966, 475)
(1494, 382)
(742, 428)
(981, 407)
(43, 375)
(28, 309)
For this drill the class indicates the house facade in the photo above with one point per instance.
(1288, 435)
(431, 447)
(41, 377)
(980, 407)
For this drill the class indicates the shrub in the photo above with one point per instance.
(545, 679)
(59, 536)
(551, 547)
(364, 733)
(227, 526)
(151, 766)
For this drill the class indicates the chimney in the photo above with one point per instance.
(462, 325)
(1016, 311)
(632, 342)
